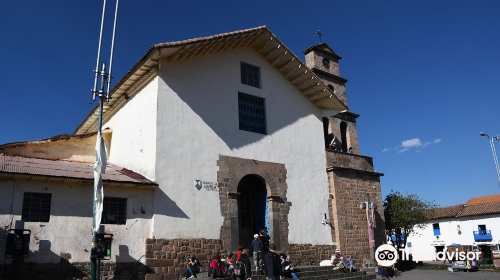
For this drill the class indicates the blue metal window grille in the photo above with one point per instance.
(436, 229)
(114, 211)
(36, 207)
(250, 75)
(252, 113)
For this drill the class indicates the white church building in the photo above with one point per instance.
(209, 140)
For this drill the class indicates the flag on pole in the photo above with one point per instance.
(99, 169)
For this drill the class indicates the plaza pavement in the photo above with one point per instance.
(420, 274)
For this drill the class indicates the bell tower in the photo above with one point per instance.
(347, 171)
(324, 62)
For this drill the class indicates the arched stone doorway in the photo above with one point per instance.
(253, 208)
(271, 176)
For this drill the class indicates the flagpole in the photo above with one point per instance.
(101, 153)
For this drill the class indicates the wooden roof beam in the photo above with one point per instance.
(235, 39)
(179, 53)
(218, 46)
(263, 46)
(304, 83)
(189, 51)
(319, 102)
(240, 42)
(209, 48)
(317, 94)
(290, 73)
(269, 54)
(310, 89)
(277, 59)
(299, 77)
(284, 66)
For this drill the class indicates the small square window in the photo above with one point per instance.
(252, 113)
(114, 211)
(250, 75)
(36, 207)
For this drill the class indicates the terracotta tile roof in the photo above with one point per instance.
(483, 209)
(446, 212)
(483, 200)
(46, 140)
(67, 169)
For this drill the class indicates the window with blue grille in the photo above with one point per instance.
(252, 113)
(114, 211)
(36, 207)
(436, 229)
(250, 75)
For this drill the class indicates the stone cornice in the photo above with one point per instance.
(332, 168)
(321, 72)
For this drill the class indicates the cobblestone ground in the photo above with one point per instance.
(445, 275)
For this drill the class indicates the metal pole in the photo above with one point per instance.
(493, 150)
(112, 50)
(99, 51)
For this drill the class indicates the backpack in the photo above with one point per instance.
(239, 269)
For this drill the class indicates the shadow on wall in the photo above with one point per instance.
(125, 266)
(58, 268)
(168, 208)
(380, 229)
(219, 109)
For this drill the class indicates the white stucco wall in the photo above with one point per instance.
(450, 233)
(198, 121)
(133, 144)
(69, 227)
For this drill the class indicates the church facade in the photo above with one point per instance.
(225, 135)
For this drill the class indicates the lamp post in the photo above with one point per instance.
(493, 151)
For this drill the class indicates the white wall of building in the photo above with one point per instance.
(198, 121)
(133, 143)
(69, 227)
(457, 230)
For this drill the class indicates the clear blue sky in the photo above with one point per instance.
(426, 70)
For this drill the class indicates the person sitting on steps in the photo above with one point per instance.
(216, 269)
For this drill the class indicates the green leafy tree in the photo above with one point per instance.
(404, 214)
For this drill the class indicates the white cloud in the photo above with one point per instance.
(415, 142)
(409, 144)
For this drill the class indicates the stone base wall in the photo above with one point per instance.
(72, 271)
(167, 258)
(307, 254)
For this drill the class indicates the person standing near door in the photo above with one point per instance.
(257, 252)
(272, 264)
(265, 239)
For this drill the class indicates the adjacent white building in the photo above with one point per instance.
(475, 223)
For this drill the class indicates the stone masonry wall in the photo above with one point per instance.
(351, 230)
(346, 160)
(307, 254)
(167, 258)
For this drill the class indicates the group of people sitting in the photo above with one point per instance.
(338, 262)
(237, 266)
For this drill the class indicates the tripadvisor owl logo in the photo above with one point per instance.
(386, 255)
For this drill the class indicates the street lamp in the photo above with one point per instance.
(493, 151)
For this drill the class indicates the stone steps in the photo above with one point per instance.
(311, 273)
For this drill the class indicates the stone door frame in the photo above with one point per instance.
(231, 171)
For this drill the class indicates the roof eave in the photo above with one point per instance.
(260, 38)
